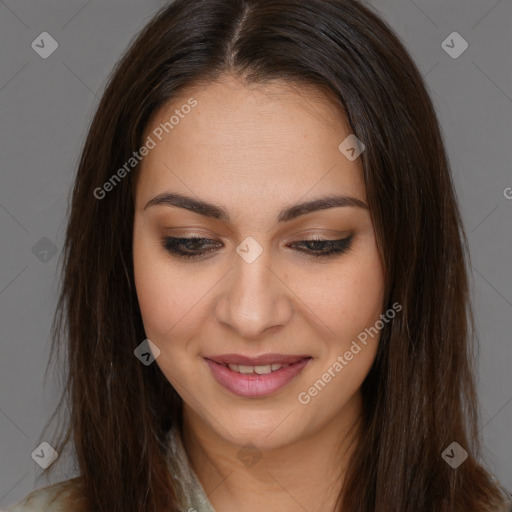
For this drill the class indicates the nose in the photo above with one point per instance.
(254, 298)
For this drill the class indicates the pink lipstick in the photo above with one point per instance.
(256, 377)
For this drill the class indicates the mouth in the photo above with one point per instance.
(255, 377)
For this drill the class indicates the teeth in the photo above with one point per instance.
(263, 370)
(260, 370)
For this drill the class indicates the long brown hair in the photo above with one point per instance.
(419, 396)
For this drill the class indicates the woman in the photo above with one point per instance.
(264, 292)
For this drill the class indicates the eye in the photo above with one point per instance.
(194, 247)
(187, 247)
(320, 248)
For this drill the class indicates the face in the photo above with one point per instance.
(272, 297)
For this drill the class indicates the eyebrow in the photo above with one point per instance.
(286, 214)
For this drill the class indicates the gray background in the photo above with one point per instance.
(47, 104)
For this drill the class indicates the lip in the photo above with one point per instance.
(254, 385)
(261, 360)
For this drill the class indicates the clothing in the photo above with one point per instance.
(189, 489)
(53, 498)
(59, 498)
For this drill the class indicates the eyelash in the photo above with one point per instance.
(334, 247)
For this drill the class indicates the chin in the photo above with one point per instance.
(263, 430)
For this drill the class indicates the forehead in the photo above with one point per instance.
(254, 141)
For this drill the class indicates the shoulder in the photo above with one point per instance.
(507, 496)
(60, 497)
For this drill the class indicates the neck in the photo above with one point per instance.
(306, 474)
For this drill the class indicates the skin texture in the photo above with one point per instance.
(255, 150)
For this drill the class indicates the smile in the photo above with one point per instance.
(256, 380)
(260, 370)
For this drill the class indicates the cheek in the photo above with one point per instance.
(361, 295)
(350, 308)
(170, 306)
(347, 297)
(163, 293)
